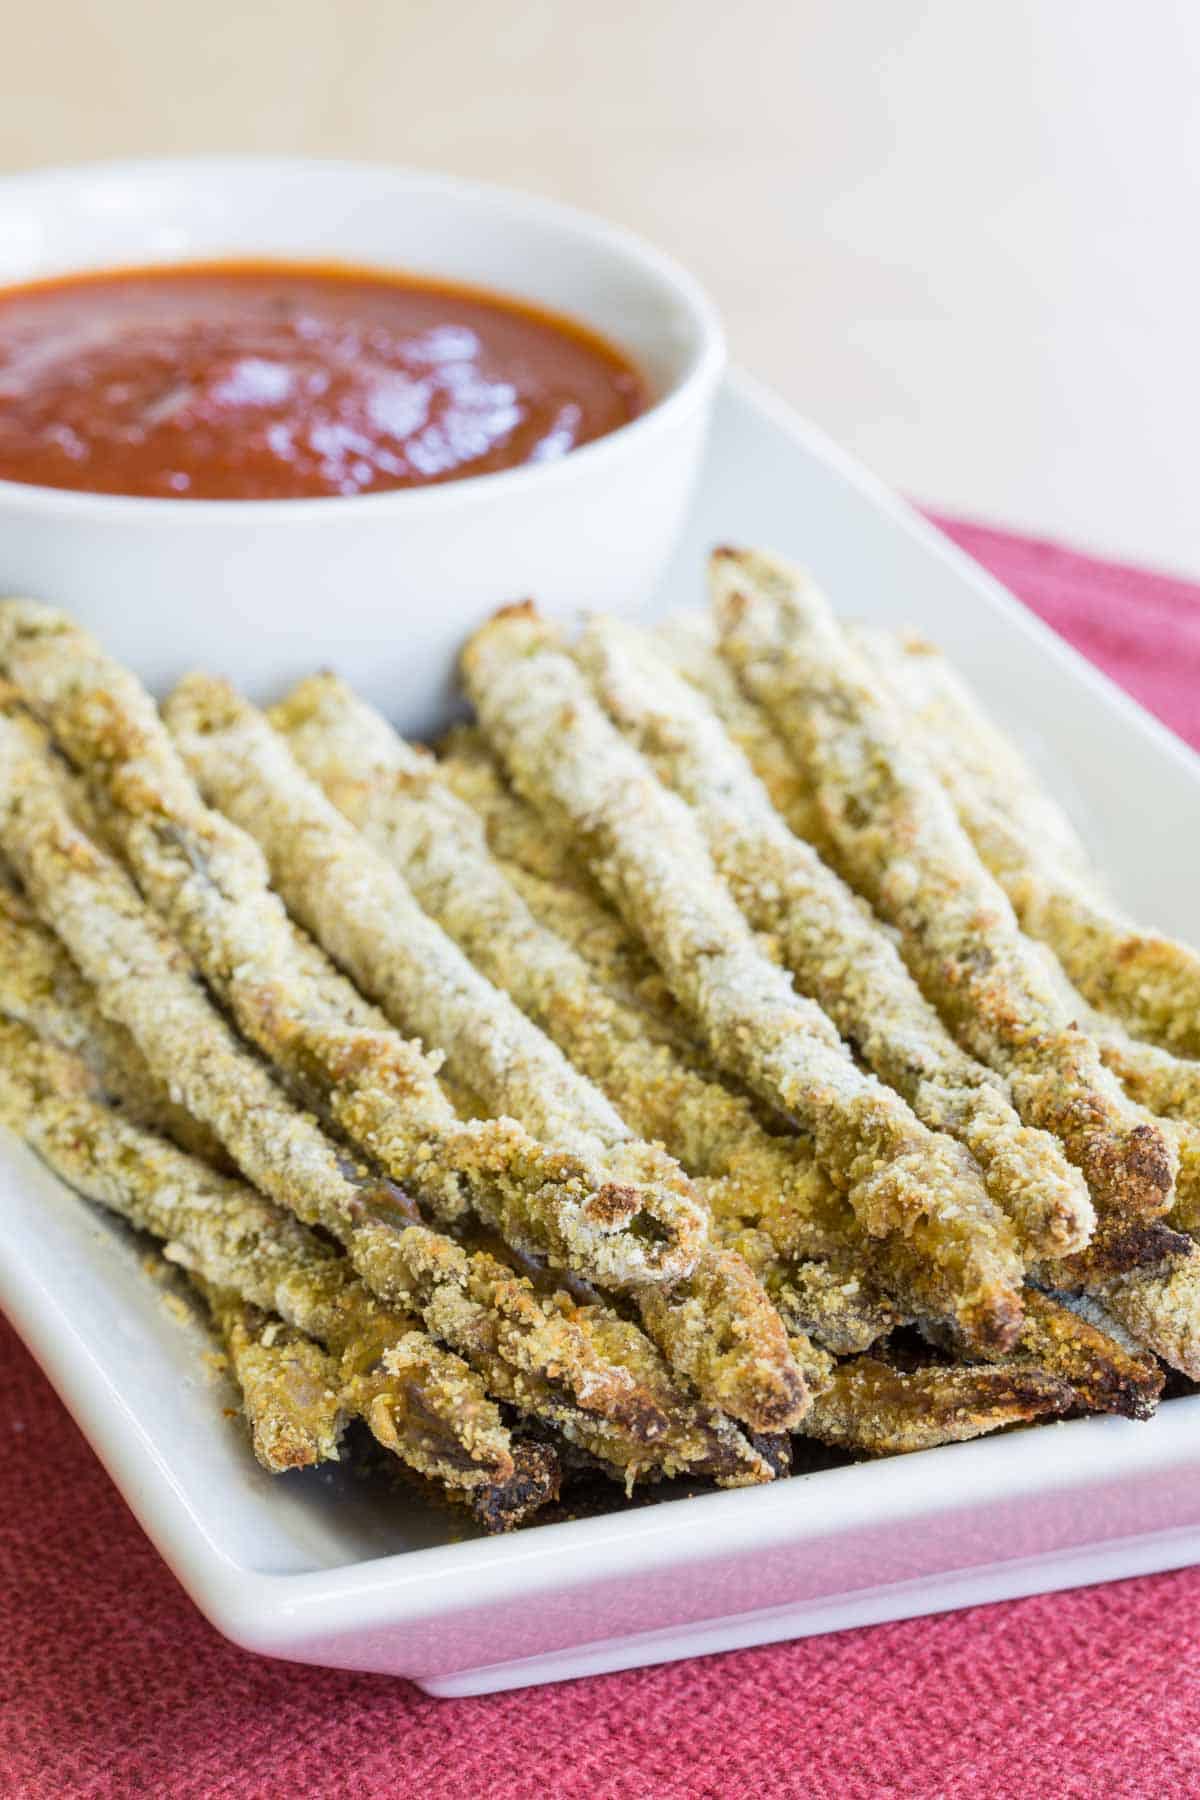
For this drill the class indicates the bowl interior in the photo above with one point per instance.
(112, 215)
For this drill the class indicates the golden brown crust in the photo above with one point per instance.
(1148, 980)
(40, 985)
(872, 1407)
(717, 1327)
(235, 1240)
(830, 941)
(289, 1385)
(1104, 1374)
(638, 1221)
(90, 900)
(897, 838)
(641, 843)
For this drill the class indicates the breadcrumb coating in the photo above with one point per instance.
(689, 643)
(900, 842)
(541, 863)
(40, 985)
(288, 1384)
(718, 1327)
(1161, 1311)
(143, 983)
(1145, 978)
(872, 1407)
(1161, 1082)
(832, 944)
(770, 1198)
(1105, 1373)
(638, 1221)
(643, 845)
(236, 1240)
(1166, 1085)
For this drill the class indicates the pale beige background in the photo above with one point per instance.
(962, 234)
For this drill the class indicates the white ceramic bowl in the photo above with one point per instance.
(385, 586)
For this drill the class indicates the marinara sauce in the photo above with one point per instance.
(284, 381)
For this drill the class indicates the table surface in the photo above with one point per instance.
(960, 237)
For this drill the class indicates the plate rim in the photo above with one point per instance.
(272, 1612)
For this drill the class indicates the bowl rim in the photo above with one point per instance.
(698, 379)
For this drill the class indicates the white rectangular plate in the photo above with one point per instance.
(321, 1567)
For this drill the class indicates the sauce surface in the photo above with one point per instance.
(283, 381)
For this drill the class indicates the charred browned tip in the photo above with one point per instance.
(535, 1482)
(775, 1448)
(1105, 1375)
(878, 1409)
(1112, 1390)
(612, 1205)
(780, 1405)
(517, 609)
(1149, 1161)
(637, 1413)
(1136, 1168)
(1039, 1391)
(725, 553)
(994, 1325)
(1117, 1249)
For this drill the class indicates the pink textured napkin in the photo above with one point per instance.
(111, 1684)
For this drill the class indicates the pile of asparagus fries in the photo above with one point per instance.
(722, 1042)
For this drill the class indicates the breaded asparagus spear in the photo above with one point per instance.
(898, 840)
(643, 844)
(1161, 1311)
(1149, 981)
(289, 1385)
(396, 795)
(420, 1400)
(40, 985)
(829, 940)
(1106, 1374)
(1002, 806)
(1158, 1307)
(543, 866)
(531, 841)
(209, 881)
(716, 1325)
(1164, 1084)
(688, 641)
(143, 982)
(875, 1408)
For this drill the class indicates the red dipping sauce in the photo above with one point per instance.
(286, 381)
